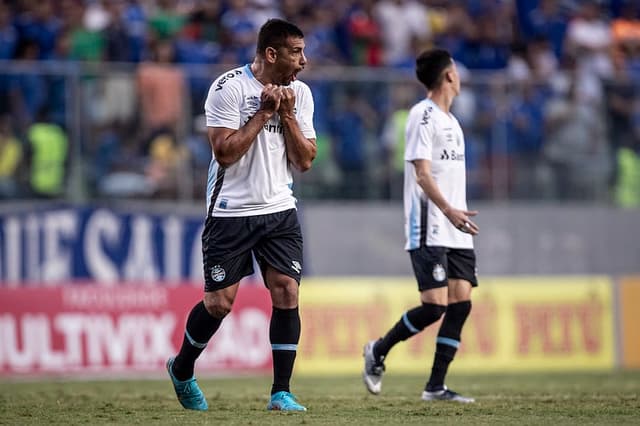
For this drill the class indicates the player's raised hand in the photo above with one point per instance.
(270, 98)
(287, 101)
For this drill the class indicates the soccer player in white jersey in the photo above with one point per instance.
(259, 119)
(438, 228)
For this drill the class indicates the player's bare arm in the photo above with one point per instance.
(459, 218)
(300, 150)
(229, 145)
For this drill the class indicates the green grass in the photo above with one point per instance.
(523, 399)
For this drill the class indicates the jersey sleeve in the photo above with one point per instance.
(305, 112)
(419, 137)
(222, 107)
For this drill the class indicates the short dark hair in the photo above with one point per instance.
(274, 33)
(430, 67)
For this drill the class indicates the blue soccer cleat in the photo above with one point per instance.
(187, 391)
(284, 401)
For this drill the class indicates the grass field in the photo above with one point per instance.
(531, 399)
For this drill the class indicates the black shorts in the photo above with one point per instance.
(434, 265)
(228, 243)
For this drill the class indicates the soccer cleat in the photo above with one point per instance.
(284, 401)
(373, 369)
(446, 395)
(187, 391)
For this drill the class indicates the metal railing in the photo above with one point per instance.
(514, 133)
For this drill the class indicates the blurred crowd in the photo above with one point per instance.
(551, 106)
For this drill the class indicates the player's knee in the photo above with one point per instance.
(218, 307)
(284, 293)
(421, 317)
(457, 314)
(433, 312)
(459, 310)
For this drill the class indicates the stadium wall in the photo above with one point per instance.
(101, 289)
(514, 239)
(155, 242)
(517, 324)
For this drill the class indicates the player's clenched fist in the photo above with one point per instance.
(270, 98)
(287, 100)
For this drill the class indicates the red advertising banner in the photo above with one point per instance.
(97, 329)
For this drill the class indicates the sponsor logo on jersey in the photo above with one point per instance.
(271, 128)
(218, 273)
(451, 155)
(226, 77)
(274, 128)
(223, 203)
(426, 115)
(435, 230)
(253, 102)
(438, 273)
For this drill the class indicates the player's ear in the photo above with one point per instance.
(448, 76)
(271, 54)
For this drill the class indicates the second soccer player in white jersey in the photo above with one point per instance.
(438, 228)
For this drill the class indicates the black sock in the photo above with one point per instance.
(447, 343)
(412, 322)
(443, 357)
(284, 334)
(200, 327)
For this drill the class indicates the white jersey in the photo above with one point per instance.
(260, 182)
(431, 134)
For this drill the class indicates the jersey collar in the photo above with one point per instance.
(247, 69)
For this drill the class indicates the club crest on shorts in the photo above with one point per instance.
(218, 273)
(438, 273)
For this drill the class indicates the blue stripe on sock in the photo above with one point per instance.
(407, 323)
(193, 342)
(449, 342)
(284, 347)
